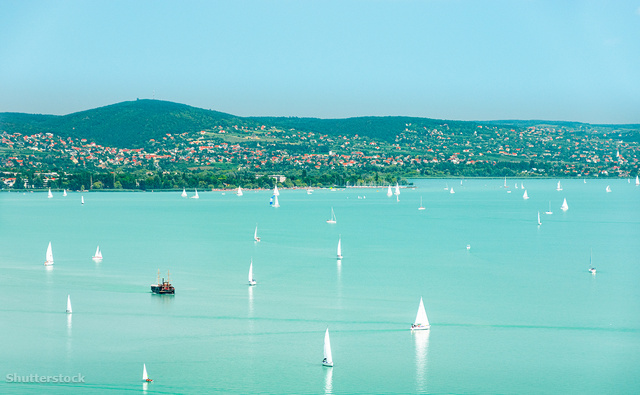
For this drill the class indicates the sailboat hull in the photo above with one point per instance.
(420, 327)
(329, 365)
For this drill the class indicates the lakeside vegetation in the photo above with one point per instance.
(150, 144)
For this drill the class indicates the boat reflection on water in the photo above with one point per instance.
(421, 340)
(328, 381)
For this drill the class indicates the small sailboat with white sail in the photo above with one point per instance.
(516, 185)
(608, 189)
(49, 195)
(421, 206)
(389, 193)
(333, 217)
(64, 192)
(82, 199)
(397, 192)
(525, 196)
(98, 255)
(275, 191)
(196, 196)
(275, 201)
(239, 193)
(421, 322)
(49, 256)
(145, 376)
(184, 192)
(637, 181)
(559, 186)
(339, 252)
(451, 190)
(564, 206)
(328, 358)
(255, 235)
(549, 212)
(539, 222)
(252, 281)
(505, 183)
(592, 269)
(69, 310)
(309, 191)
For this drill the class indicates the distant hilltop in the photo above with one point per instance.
(132, 124)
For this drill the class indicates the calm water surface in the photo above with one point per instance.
(516, 313)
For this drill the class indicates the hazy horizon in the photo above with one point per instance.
(453, 60)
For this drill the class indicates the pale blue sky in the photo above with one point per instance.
(448, 59)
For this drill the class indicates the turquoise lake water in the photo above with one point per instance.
(518, 312)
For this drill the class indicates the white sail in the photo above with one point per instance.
(195, 196)
(421, 322)
(522, 185)
(608, 188)
(389, 193)
(184, 192)
(539, 223)
(565, 206)
(64, 192)
(397, 192)
(505, 182)
(637, 181)
(592, 269)
(251, 280)
(340, 248)
(328, 359)
(98, 255)
(559, 187)
(421, 206)
(145, 376)
(333, 217)
(239, 191)
(69, 311)
(49, 256)
(275, 191)
(275, 202)
(82, 199)
(516, 185)
(255, 234)
(49, 195)
(451, 190)
(525, 196)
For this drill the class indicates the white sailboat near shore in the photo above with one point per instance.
(196, 196)
(49, 195)
(564, 206)
(451, 190)
(421, 206)
(397, 192)
(275, 201)
(252, 281)
(339, 252)
(637, 181)
(98, 255)
(559, 187)
(333, 217)
(69, 311)
(549, 212)
(389, 193)
(275, 191)
(82, 199)
(421, 322)
(255, 235)
(64, 192)
(239, 193)
(608, 189)
(525, 196)
(49, 256)
(184, 192)
(328, 358)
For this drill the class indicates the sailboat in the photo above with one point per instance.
(451, 190)
(328, 359)
(255, 234)
(549, 212)
(49, 256)
(145, 376)
(64, 192)
(559, 187)
(275, 201)
(98, 255)
(564, 206)
(239, 193)
(516, 185)
(522, 185)
(421, 206)
(608, 188)
(275, 191)
(421, 322)
(389, 193)
(339, 248)
(397, 192)
(184, 192)
(333, 217)
(592, 269)
(69, 311)
(49, 195)
(525, 196)
(82, 199)
(195, 196)
(251, 280)
(309, 191)
(505, 182)
(637, 181)
(539, 223)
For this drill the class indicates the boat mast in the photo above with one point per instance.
(158, 277)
